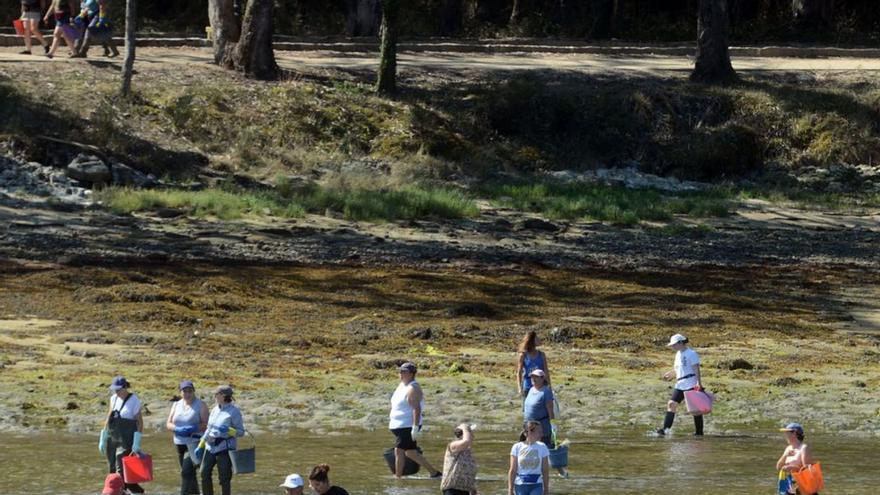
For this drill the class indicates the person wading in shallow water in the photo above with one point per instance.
(405, 420)
(188, 419)
(319, 481)
(121, 435)
(686, 373)
(796, 456)
(529, 472)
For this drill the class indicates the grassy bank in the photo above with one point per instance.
(285, 336)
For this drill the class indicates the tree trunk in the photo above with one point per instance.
(362, 17)
(713, 57)
(451, 17)
(128, 63)
(517, 12)
(387, 82)
(253, 53)
(225, 26)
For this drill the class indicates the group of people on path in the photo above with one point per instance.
(77, 28)
(203, 439)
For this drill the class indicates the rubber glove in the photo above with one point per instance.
(554, 430)
(416, 431)
(136, 443)
(199, 452)
(185, 431)
(102, 441)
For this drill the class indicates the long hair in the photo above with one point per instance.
(528, 342)
(319, 473)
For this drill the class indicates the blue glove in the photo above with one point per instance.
(199, 453)
(186, 430)
(102, 441)
(136, 443)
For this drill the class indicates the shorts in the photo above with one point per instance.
(33, 16)
(530, 489)
(403, 439)
(453, 491)
(678, 395)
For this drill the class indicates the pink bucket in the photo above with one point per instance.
(698, 402)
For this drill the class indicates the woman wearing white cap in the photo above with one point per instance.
(686, 373)
(188, 419)
(123, 428)
(293, 485)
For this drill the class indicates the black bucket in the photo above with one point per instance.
(410, 467)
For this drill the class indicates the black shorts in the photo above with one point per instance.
(453, 491)
(678, 395)
(403, 439)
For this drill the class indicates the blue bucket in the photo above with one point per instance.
(559, 457)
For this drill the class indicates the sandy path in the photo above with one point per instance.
(645, 65)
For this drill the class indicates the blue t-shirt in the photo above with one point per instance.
(535, 405)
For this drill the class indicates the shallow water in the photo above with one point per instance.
(618, 463)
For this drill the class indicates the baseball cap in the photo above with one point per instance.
(537, 373)
(676, 339)
(113, 484)
(187, 384)
(292, 481)
(223, 390)
(410, 367)
(119, 383)
(794, 427)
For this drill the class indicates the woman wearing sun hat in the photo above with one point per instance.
(121, 435)
(188, 419)
(796, 456)
(686, 374)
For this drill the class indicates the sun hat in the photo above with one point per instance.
(113, 485)
(410, 367)
(537, 373)
(223, 390)
(793, 427)
(676, 339)
(292, 481)
(187, 384)
(119, 383)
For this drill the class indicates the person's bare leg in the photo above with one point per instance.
(414, 455)
(35, 29)
(27, 34)
(56, 40)
(399, 462)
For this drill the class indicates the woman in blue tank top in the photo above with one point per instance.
(530, 359)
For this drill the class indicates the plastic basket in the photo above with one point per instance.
(137, 468)
(559, 457)
(809, 479)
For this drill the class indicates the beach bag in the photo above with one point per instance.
(71, 31)
(410, 466)
(137, 468)
(18, 24)
(809, 479)
(698, 402)
(244, 460)
(559, 457)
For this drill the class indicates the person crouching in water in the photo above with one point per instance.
(121, 435)
(405, 421)
(686, 373)
(796, 456)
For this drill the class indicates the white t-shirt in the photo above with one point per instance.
(131, 408)
(529, 462)
(685, 360)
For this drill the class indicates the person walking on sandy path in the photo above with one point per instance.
(686, 374)
(405, 421)
(31, 13)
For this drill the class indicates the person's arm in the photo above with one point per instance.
(414, 398)
(780, 464)
(203, 418)
(545, 474)
(169, 423)
(511, 475)
(519, 372)
(467, 439)
(546, 368)
(140, 421)
(109, 411)
(549, 403)
(697, 373)
(806, 456)
(669, 375)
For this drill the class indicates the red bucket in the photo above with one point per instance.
(137, 468)
(18, 24)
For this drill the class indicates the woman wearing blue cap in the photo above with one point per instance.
(796, 456)
(121, 435)
(188, 419)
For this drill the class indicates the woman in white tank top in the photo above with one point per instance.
(405, 421)
(188, 419)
